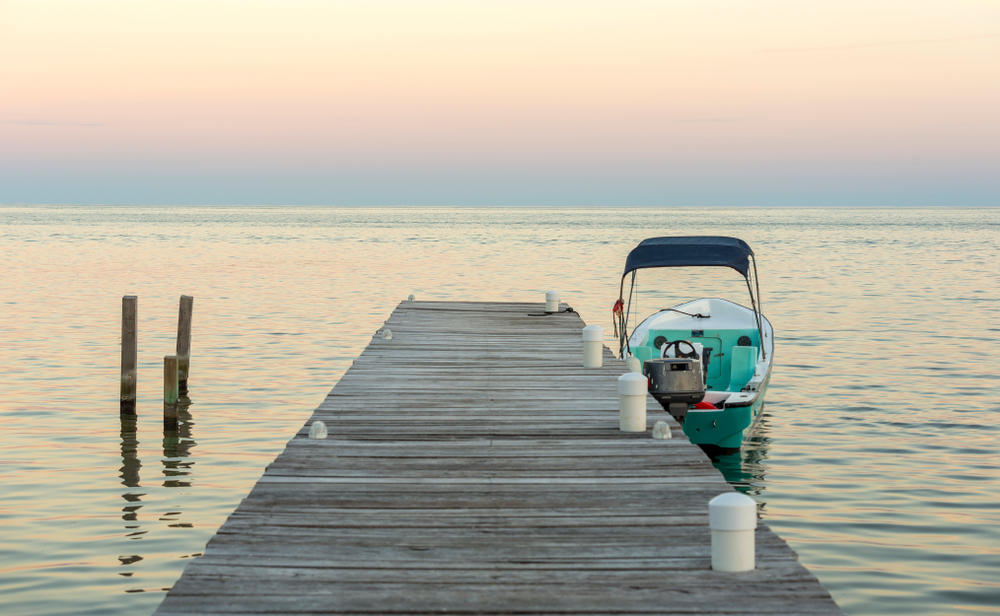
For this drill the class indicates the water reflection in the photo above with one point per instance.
(177, 446)
(129, 472)
(744, 469)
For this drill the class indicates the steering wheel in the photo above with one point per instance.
(676, 344)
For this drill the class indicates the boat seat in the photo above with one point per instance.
(642, 354)
(743, 360)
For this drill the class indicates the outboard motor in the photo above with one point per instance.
(675, 383)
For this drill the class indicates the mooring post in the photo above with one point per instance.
(170, 393)
(593, 346)
(130, 353)
(552, 301)
(632, 391)
(184, 343)
(733, 520)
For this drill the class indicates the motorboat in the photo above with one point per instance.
(708, 361)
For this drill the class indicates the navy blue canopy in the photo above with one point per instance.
(687, 251)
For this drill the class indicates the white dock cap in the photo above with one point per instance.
(732, 511)
(661, 431)
(593, 333)
(552, 296)
(317, 430)
(632, 384)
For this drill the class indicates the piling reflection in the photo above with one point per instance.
(177, 445)
(129, 472)
(129, 475)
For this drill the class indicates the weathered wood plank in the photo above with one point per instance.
(474, 466)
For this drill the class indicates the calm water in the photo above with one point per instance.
(877, 459)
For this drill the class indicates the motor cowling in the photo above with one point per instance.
(676, 381)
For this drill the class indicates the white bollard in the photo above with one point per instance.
(632, 390)
(386, 334)
(733, 520)
(411, 297)
(633, 364)
(317, 430)
(552, 301)
(593, 346)
(661, 431)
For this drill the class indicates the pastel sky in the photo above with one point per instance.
(382, 102)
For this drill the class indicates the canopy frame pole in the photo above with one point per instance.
(623, 343)
(754, 303)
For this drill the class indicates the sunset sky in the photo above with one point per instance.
(500, 103)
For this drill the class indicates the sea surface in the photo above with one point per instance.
(878, 458)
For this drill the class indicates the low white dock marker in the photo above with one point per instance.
(317, 430)
(661, 430)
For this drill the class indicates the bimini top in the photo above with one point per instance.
(690, 251)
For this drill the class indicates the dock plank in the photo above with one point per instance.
(474, 467)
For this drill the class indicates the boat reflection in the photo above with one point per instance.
(745, 469)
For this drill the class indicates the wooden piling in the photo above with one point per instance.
(184, 343)
(130, 353)
(170, 393)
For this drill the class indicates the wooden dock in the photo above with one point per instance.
(474, 467)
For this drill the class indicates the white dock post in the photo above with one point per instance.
(593, 346)
(733, 520)
(552, 301)
(633, 364)
(632, 389)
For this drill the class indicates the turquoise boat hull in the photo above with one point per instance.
(725, 428)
